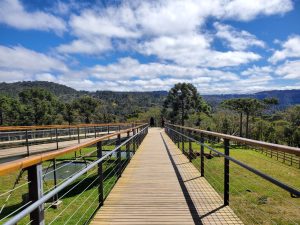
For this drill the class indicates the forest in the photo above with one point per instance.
(264, 117)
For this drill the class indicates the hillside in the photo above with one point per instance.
(139, 101)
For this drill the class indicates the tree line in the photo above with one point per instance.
(37, 106)
(244, 117)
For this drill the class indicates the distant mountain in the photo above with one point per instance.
(285, 97)
(141, 100)
(61, 91)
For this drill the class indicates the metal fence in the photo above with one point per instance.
(54, 197)
(16, 142)
(259, 189)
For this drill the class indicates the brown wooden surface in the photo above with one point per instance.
(251, 142)
(150, 192)
(23, 163)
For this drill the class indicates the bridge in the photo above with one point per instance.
(142, 175)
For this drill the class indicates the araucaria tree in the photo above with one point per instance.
(248, 106)
(182, 100)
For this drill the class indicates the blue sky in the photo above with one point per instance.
(221, 46)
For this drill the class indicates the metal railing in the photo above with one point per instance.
(186, 138)
(25, 139)
(108, 159)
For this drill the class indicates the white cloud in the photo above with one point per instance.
(289, 70)
(94, 46)
(128, 68)
(237, 40)
(19, 58)
(193, 50)
(13, 14)
(108, 23)
(258, 71)
(248, 10)
(164, 20)
(291, 48)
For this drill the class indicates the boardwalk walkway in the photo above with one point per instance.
(160, 186)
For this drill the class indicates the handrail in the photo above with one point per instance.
(9, 128)
(271, 146)
(23, 163)
(59, 188)
(244, 165)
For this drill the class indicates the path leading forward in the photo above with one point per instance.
(160, 186)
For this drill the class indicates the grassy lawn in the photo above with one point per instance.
(254, 200)
(79, 200)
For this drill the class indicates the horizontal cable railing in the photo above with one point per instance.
(256, 186)
(16, 142)
(59, 188)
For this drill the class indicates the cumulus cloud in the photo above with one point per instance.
(248, 10)
(91, 46)
(290, 48)
(19, 58)
(235, 39)
(13, 14)
(258, 71)
(289, 70)
(128, 68)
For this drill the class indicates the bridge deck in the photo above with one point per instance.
(160, 186)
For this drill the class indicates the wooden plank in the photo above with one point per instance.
(149, 191)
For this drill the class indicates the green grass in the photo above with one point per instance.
(83, 202)
(254, 200)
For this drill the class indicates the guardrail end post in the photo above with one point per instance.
(35, 192)
(226, 172)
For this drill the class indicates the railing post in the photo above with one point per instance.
(56, 138)
(27, 142)
(119, 156)
(133, 142)
(95, 132)
(100, 174)
(78, 135)
(226, 172)
(107, 129)
(84, 132)
(182, 140)
(35, 193)
(55, 198)
(128, 147)
(190, 147)
(202, 155)
(178, 139)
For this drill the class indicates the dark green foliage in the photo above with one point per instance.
(40, 106)
(182, 100)
(86, 107)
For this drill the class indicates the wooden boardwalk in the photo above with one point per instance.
(9, 154)
(160, 186)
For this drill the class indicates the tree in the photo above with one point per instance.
(237, 106)
(4, 107)
(69, 113)
(40, 106)
(86, 107)
(182, 100)
(248, 106)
